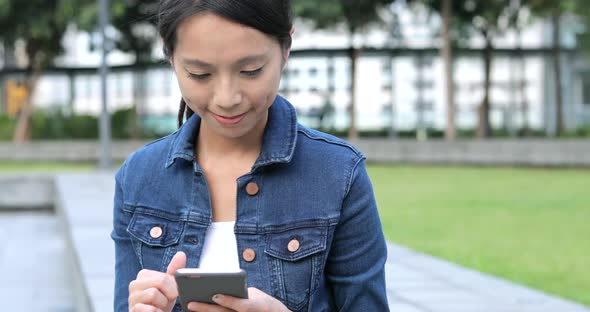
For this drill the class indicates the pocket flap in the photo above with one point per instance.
(155, 231)
(296, 244)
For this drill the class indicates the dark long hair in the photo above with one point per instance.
(272, 17)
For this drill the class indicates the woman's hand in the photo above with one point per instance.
(155, 291)
(257, 301)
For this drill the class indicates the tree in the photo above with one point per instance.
(135, 22)
(488, 19)
(355, 15)
(447, 55)
(40, 26)
(554, 10)
(518, 22)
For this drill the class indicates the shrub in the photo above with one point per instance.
(7, 126)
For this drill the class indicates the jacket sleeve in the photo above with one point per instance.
(127, 264)
(355, 267)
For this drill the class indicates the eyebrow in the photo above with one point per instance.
(243, 61)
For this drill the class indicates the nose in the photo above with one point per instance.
(227, 93)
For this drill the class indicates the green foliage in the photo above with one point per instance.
(578, 8)
(81, 127)
(54, 124)
(47, 125)
(122, 123)
(39, 23)
(486, 17)
(7, 126)
(134, 20)
(548, 7)
(580, 132)
(355, 14)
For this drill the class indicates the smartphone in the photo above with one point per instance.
(198, 285)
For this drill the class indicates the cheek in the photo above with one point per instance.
(191, 93)
(264, 92)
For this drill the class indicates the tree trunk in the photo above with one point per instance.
(446, 53)
(484, 129)
(522, 84)
(560, 126)
(352, 131)
(22, 132)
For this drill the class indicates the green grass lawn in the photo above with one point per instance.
(531, 226)
(12, 166)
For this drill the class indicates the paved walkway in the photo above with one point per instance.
(416, 282)
(33, 272)
(421, 283)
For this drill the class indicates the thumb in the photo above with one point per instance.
(177, 262)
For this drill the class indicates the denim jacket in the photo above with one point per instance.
(307, 227)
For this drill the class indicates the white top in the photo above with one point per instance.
(220, 251)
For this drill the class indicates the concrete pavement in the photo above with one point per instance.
(33, 272)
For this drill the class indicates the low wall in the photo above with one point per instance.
(26, 191)
(70, 151)
(528, 152)
(574, 153)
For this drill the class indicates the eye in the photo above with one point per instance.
(198, 76)
(252, 73)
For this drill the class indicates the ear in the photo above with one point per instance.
(287, 52)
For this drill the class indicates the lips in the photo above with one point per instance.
(228, 121)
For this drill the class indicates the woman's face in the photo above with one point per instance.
(228, 73)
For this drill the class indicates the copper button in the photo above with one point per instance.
(156, 232)
(252, 188)
(293, 245)
(249, 254)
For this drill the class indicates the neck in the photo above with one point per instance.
(211, 145)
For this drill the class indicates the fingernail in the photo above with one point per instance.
(216, 298)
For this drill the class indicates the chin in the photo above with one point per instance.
(234, 133)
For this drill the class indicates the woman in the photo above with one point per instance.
(241, 183)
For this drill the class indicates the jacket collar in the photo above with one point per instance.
(278, 143)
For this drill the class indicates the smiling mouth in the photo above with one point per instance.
(228, 121)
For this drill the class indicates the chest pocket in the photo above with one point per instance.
(155, 239)
(296, 260)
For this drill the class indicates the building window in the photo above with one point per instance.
(313, 72)
(119, 85)
(330, 70)
(386, 69)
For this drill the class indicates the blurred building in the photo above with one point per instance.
(400, 79)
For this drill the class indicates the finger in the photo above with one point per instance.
(147, 273)
(150, 296)
(140, 307)
(233, 303)
(164, 283)
(257, 301)
(201, 306)
(177, 262)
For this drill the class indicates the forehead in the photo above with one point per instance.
(214, 39)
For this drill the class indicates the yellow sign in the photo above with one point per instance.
(16, 97)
